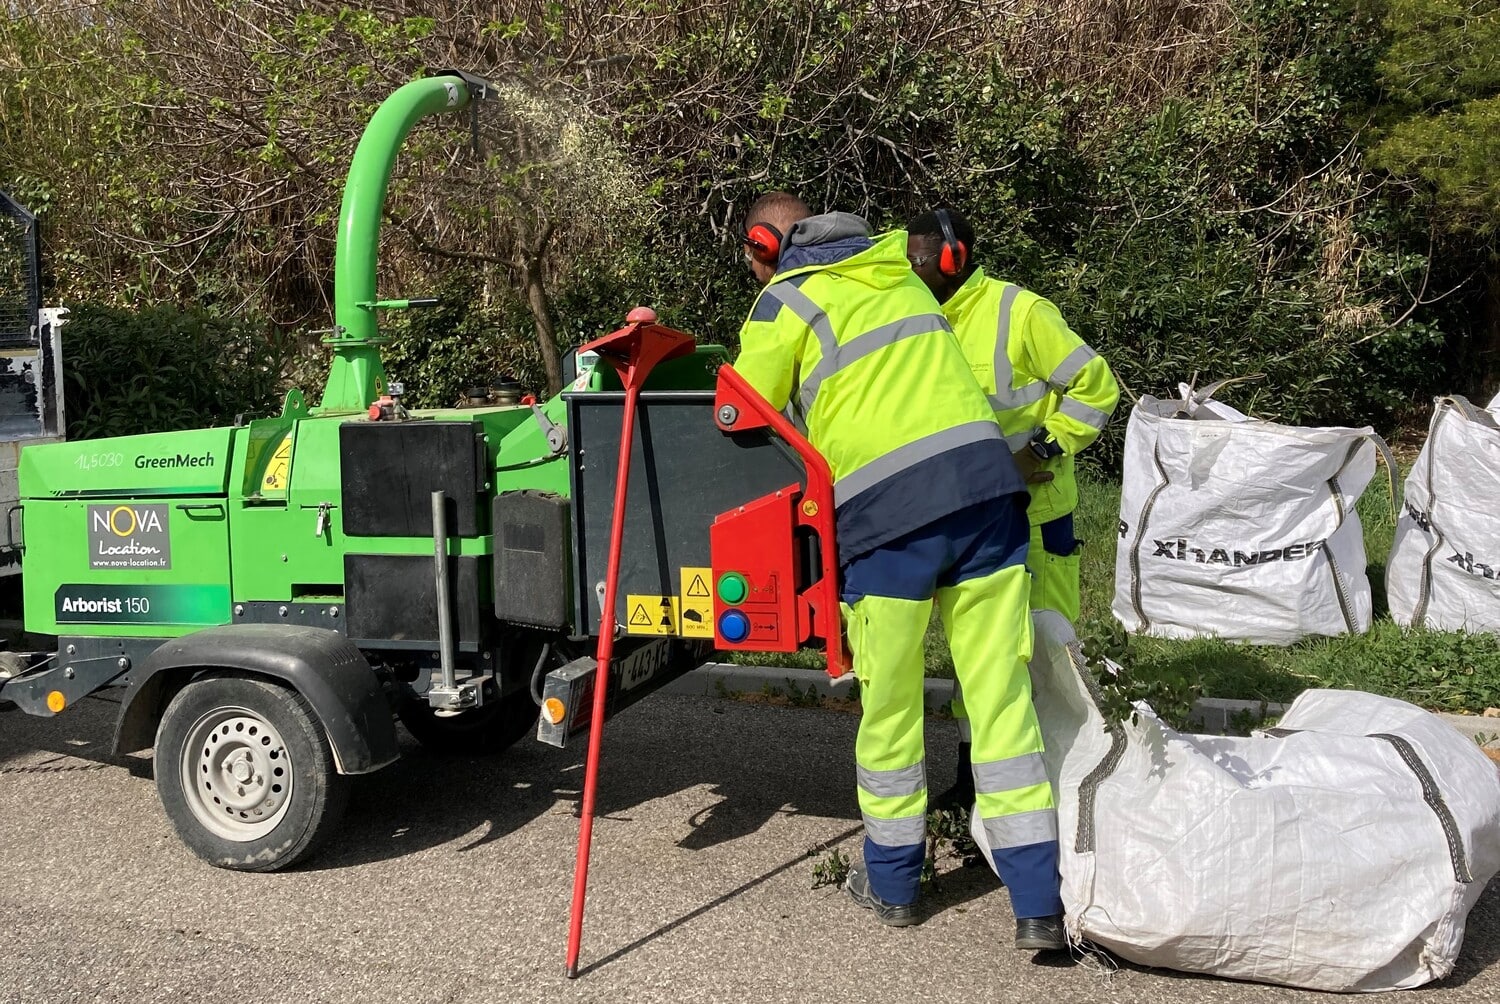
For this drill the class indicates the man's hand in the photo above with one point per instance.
(1031, 468)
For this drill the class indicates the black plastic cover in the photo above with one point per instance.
(531, 559)
(392, 601)
(389, 471)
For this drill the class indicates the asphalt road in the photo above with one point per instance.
(449, 881)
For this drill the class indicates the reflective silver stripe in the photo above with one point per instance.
(811, 314)
(1010, 398)
(901, 832)
(863, 345)
(1005, 396)
(893, 783)
(1092, 417)
(1017, 440)
(902, 457)
(1035, 827)
(1071, 367)
(797, 415)
(1009, 774)
(1002, 335)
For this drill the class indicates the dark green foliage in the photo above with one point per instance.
(1191, 185)
(1122, 680)
(1438, 123)
(440, 353)
(163, 368)
(948, 836)
(830, 869)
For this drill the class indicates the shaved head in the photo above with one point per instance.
(779, 209)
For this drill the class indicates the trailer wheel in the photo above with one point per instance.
(483, 731)
(246, 774)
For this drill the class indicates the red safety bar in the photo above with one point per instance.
(633, 351)
(760, 531)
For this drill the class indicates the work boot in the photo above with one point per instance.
(890, 914)
(961, 794)
(1041, 934)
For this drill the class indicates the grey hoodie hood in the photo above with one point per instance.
(827, 228)
(824, 240)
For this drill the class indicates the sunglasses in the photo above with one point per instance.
(920, 260)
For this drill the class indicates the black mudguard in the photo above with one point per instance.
(323, 666)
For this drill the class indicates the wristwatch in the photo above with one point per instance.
(1043, 446)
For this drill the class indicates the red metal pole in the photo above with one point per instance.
(603, 654)
(633, 351)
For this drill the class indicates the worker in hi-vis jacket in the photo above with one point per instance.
(930, 504)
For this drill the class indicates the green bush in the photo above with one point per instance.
(163, 368)
(440, 353)
(1201, 188)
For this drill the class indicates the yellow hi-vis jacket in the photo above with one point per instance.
(1038, 374)
(848, 335)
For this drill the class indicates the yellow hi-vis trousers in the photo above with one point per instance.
(973, 563)
(1053, 560)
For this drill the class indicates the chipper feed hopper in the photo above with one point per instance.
(267, 599)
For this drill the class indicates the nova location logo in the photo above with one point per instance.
(129, 536)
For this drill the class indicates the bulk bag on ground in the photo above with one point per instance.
(1444, 569)
(1238, 528)
(1341, 851)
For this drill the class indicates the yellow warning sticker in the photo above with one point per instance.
(697, 603)
(651, 614)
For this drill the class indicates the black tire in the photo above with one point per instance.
(272, 746)
(484, 731)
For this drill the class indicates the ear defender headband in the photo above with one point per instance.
(764, 242)
(954, 256)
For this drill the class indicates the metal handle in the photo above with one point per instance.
(217, 507)
(412, 302)
(444, 606)
(15, 540)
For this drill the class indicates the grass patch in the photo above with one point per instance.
(1447, 671)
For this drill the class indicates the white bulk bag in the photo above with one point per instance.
(1241, 529)
(1340, 851)
(1444, 569)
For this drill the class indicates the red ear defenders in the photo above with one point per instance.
(764, 242)
(954, 256)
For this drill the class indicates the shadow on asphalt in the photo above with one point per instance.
(732, 894)
(956, 888)
(425, 799)
(85, 734)
(755, 766)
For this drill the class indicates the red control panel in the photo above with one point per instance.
(765, 598)
(755, 575)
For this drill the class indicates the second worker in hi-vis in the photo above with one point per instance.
(1051, 393)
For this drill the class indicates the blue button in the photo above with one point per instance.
(734, 626)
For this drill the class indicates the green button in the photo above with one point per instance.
(732, 588)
